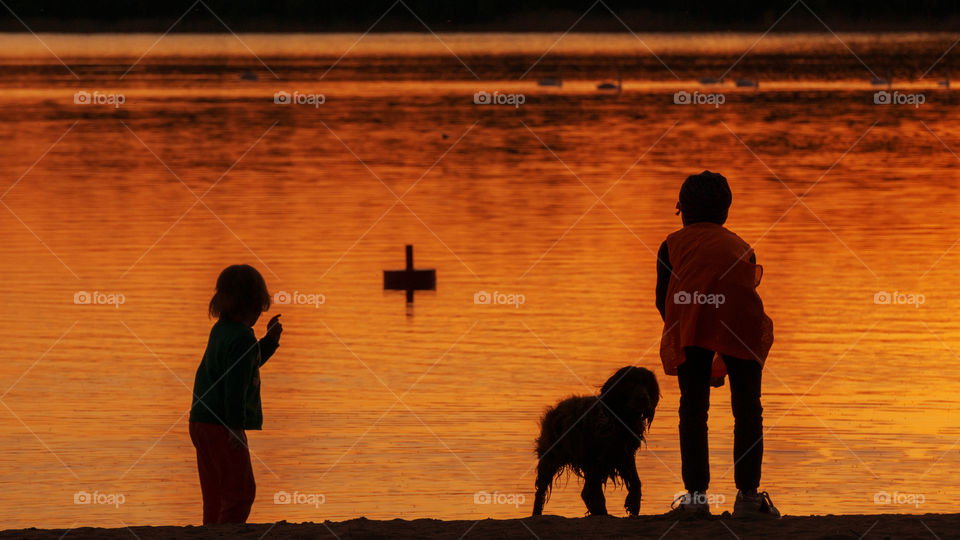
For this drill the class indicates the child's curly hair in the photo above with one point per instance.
(241, 293)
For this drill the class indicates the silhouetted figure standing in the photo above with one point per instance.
(226, 394)
(714, 325)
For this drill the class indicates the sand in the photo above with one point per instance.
(940, 526)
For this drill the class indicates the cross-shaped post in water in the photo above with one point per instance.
(410, 279)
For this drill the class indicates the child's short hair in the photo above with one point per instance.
(241, 293)
(705, 197)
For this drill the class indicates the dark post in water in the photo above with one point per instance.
(410, 279)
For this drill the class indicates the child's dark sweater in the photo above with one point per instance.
(226, 389)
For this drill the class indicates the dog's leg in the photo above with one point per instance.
(628, 471)
(546, 471)
(592, 494)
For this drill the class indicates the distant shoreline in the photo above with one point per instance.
(652, 527)
(519, 23)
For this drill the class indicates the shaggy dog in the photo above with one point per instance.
(597, 438)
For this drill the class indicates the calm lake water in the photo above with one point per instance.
(392, 411)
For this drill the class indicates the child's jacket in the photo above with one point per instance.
(712, 299)
(226, 389)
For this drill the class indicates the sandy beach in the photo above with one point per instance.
(939, 526)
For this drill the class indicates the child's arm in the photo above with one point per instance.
(270, 342)
(663, 279)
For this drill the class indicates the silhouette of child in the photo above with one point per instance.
(714, 325)
(226, 394)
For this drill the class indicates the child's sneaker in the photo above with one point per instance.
(757, 505)
(690, 505)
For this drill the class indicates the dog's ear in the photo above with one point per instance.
(653, 398)
(649, 414)
(649, 408)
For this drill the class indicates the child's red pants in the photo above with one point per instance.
(226, 476)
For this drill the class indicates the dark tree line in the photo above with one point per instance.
(478, 14)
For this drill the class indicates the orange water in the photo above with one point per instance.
(393, 411)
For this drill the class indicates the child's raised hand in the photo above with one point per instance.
(274, 328)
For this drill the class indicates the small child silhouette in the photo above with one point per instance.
(226, 394)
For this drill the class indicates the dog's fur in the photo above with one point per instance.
(597, 438)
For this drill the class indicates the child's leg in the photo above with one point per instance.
(745, 380)
(694, 378)
(239, 488)
(208, 465)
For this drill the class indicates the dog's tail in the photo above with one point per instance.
(548, 433)
(548, 468)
